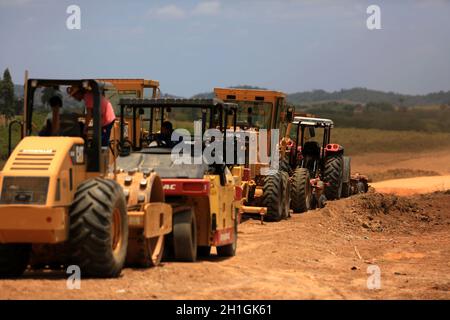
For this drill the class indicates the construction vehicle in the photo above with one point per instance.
(320, 172)
(204, 196)
(61, 204)
(265, 194)
(116, 89)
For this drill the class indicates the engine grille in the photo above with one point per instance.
(24, 190)
(33, 161)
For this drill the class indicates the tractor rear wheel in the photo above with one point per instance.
(14, 259)
(98, 232)
(285, 166)
(272, 197)
(333, 176)
(185, 236)
(301, 191)
(346, 183)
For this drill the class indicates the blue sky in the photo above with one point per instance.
(193, 46)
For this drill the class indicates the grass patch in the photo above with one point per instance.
(360, 141)
(401, 174)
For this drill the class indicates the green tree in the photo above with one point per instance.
(7, 97)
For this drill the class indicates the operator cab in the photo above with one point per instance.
(64, 118)
(309, 151)
(151, 147)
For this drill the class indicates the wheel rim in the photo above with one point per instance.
(116, 231)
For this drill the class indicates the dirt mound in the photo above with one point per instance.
(382, 212)
(377, 212)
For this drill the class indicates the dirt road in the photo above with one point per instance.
(322, 254)
(418, 185)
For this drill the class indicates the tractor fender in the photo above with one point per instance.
(347, 167)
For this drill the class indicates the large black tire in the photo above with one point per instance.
(14, 259)
(361, 187)
(185, 236)
(334, 165)
(301, 190)
(272, 197)
(98, 232)
(229, 250)
(286, 202)
(346, 183)
(285, 166)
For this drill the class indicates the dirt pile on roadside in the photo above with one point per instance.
(377, 212)
(382, 212)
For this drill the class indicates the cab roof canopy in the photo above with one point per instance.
(124, 84)
(313, 122)
(257, 95)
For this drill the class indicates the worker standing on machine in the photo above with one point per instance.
(107, 111)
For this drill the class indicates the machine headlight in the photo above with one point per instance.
(24, 190)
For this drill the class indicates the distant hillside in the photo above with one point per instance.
(357, 96)
(349, 96)
(363, 95)
(169, 96)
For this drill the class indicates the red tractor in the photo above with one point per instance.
(321, 172)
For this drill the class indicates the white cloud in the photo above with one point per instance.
(207, 8)
(170, 11)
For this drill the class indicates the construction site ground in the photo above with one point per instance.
(402, 227)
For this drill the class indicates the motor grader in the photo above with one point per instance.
(265, 194)
(61, 204)
(204, 196)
